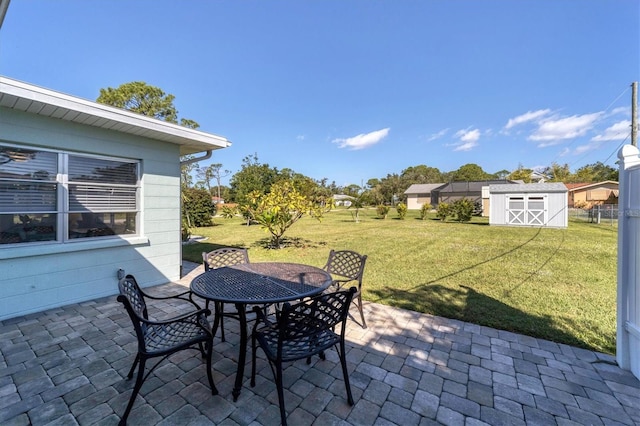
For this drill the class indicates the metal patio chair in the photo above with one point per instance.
(301, 331)
(226, 256)
(347, 268)
(165, 337)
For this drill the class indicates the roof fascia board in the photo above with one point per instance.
(117, 116)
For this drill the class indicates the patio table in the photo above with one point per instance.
(257, 284)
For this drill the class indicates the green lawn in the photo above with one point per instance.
(557, 284)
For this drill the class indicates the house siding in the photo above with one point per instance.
(41, 276)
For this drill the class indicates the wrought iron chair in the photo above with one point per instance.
(301, 331)
(346, 268)
(162, 338)
(226, 256)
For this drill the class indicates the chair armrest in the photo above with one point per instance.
(182, 317)
(262, 316)
(180, 296)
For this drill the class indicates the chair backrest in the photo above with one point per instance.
(226, 256)
(346, 263)
(315, 315)
(132, 296)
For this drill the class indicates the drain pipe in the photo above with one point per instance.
(206, 156)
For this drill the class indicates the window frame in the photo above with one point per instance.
(62, 204)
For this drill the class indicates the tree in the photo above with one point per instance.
(470, 172)
(521, 174)
(558, 173)
(253, 176)
(283, 206)
(597, 172)
(502, 174)
(211, 172)
(141, 98)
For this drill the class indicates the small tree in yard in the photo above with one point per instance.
(424, 210)
(401, 208)
(280, 208)
(463, 209)
(443, 210)
(382, 211)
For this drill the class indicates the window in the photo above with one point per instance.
(58, 196)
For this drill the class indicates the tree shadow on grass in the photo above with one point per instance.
(467, 304)
(289, 242)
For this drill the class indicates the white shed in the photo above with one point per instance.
(85, 189)
(529, 204)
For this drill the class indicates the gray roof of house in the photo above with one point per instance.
(528, 187)
(422, 188)
(471, 186)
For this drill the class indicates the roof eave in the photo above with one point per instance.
(25, 97)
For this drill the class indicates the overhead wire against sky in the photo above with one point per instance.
(611, 104)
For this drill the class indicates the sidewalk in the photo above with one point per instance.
(67, 366)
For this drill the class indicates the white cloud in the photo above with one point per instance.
(438, 135)
(554, 131)
(300, 137)
(619, 131)
(526, 117)
(468, 139)
(363, 140)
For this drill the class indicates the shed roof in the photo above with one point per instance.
(26, 97)
(422, 188)
(528, 188)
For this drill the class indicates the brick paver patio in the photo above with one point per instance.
(67, 366)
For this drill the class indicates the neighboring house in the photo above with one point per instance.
(537, 177)
(529, 204)
(343, 200)
(85, 189)
(419, 194)
(587, 195)
(217, 200)
(472, 190)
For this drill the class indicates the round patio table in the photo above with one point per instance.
(257, 284)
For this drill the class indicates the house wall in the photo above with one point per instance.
(557, 212)
(416, 201)
(593, 195)
(36, 277)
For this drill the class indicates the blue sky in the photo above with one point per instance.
(349, 89)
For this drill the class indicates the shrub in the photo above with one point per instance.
(401, 208)
(229, 212)
(463, 209)
(424, 210)
(382, 211)
(197, 208)
(443, 210)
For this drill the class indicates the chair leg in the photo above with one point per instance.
(280, 388)
(133, 367)
(136, 389)
(345, 373)
(359, 303)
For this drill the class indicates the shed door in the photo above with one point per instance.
(527, 210)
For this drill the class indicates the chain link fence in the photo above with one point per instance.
(603, 214)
